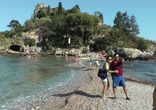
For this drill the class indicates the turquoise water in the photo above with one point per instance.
(141, 70)
(22, 78)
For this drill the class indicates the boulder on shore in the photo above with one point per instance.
(133, 53)
(69, 52)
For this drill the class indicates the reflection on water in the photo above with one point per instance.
(27, 77)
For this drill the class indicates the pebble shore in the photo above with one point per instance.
(84, 93)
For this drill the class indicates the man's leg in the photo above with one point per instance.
(115, 85)
(125, 92)
(122, 83)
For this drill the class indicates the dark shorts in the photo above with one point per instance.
(118, 81)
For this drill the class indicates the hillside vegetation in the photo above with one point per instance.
(55, 25)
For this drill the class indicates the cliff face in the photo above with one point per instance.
(5, 43)
(18, 43)
(31, 35)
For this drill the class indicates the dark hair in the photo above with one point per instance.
(116, 55)
(108, 57)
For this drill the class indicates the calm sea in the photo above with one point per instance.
(23, 78)
(141, 70)
(144, 71)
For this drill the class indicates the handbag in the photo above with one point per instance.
(102, 73)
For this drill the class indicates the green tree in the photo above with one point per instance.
(29, 25)
(49, 39)
(142, 44)
(121, 22)
(41, 13)
(134, 28)
(34, 24)
(83, 25)
(75, 9)
(53, 24)
(16, 28)
(126, 25)
(8, 34)
(48, 11)
(14, 25)
(100, 15)
(60, 8)
(29, 41)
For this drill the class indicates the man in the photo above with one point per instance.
(117, 77)
(154, 99)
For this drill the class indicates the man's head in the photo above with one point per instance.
(117, 57)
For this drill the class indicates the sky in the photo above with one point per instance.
(143, 10)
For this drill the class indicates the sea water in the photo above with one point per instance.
(144, 71)
(23, 78)
(141, 70)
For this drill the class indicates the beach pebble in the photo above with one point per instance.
(37, 107)
(81, 94)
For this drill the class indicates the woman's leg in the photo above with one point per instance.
(105, 87)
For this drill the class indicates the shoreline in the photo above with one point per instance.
(139, 81)
(84, 92)
(71, 85)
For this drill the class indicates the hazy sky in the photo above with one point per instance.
(143, 10)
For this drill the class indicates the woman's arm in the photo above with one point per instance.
(115, 71)
(108, 69)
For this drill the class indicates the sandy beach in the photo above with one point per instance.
(84, 93)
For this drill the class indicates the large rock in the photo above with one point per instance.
(154, 54)
(70, 52)
(151, 48)
(133, 53)
(129, 52)
(146, 55)
(59, 51)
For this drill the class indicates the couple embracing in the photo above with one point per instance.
(115, 68)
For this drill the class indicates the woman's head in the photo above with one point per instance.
(109, 59)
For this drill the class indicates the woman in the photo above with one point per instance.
(105, 81)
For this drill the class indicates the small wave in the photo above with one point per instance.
(150, 75)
